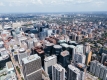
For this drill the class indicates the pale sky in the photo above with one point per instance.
(10, 6)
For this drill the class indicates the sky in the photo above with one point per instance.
(28, 6)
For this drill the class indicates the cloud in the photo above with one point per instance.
(53, 2)
(10, 4)
(52, 5)
(99, 3)
(68, 0)
(39, 1)
(2, 4)
(83, 1)
(78, 1)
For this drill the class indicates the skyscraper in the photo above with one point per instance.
(79, 49)
(58, 72)
(83, 69)
(103, 58)
(48, 62)
(64, 58)
(98, 70)
(80, 58)
(93, 65)
(72, 50)
(30, 43)
(73, 73)
(88, 57)
(22, 54)
(87, 48)
(102, 69)
(32, 67)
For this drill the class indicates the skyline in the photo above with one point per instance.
(25, 6)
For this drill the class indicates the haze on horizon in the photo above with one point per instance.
(20, 6)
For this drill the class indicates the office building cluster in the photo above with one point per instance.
(98, 69)
(36, 54)
(39, 50)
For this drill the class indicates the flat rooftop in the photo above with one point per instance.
(58, 67)
(64, 45)
(30, 58)
(9, 65)
(50, 58)
(57, 46)
(74, 69)
(64, 53)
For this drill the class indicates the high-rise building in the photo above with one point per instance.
(93, 65)
(79, 38)
(48, 62)
(57, 49)
(102, 69)
(4, 57)
(98, 70)
(48, 48)
(74, 43)
(87, 48)
(30, 43)
(21, 39)
(88, 57)
(49, 32)
(94, 57)
(105, 74)
(64, 31)
(103, 58)
(58, 72)
(82, 68)
(73, 73)
(22, 54)
(42, 35)
(72, 50)
(65, 46)
(74, 35)
(79, 58)
(64, 58)
(79, 49)
(31, 67)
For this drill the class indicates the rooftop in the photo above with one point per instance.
(49, 44)
(9, 65)
(21, 50)
(50, 58)
(30, 58)
(64, 53)
(71, 46)
(58, 67)
(4, 54)
(57, 46)
(72, 41)
(74, 69)
(64, 45)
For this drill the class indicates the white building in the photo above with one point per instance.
(73, 73)
(58, 72)
(22, 54)
(80, 58)
(48, 62)
(79, 49)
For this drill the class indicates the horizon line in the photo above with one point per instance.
(51, 12)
